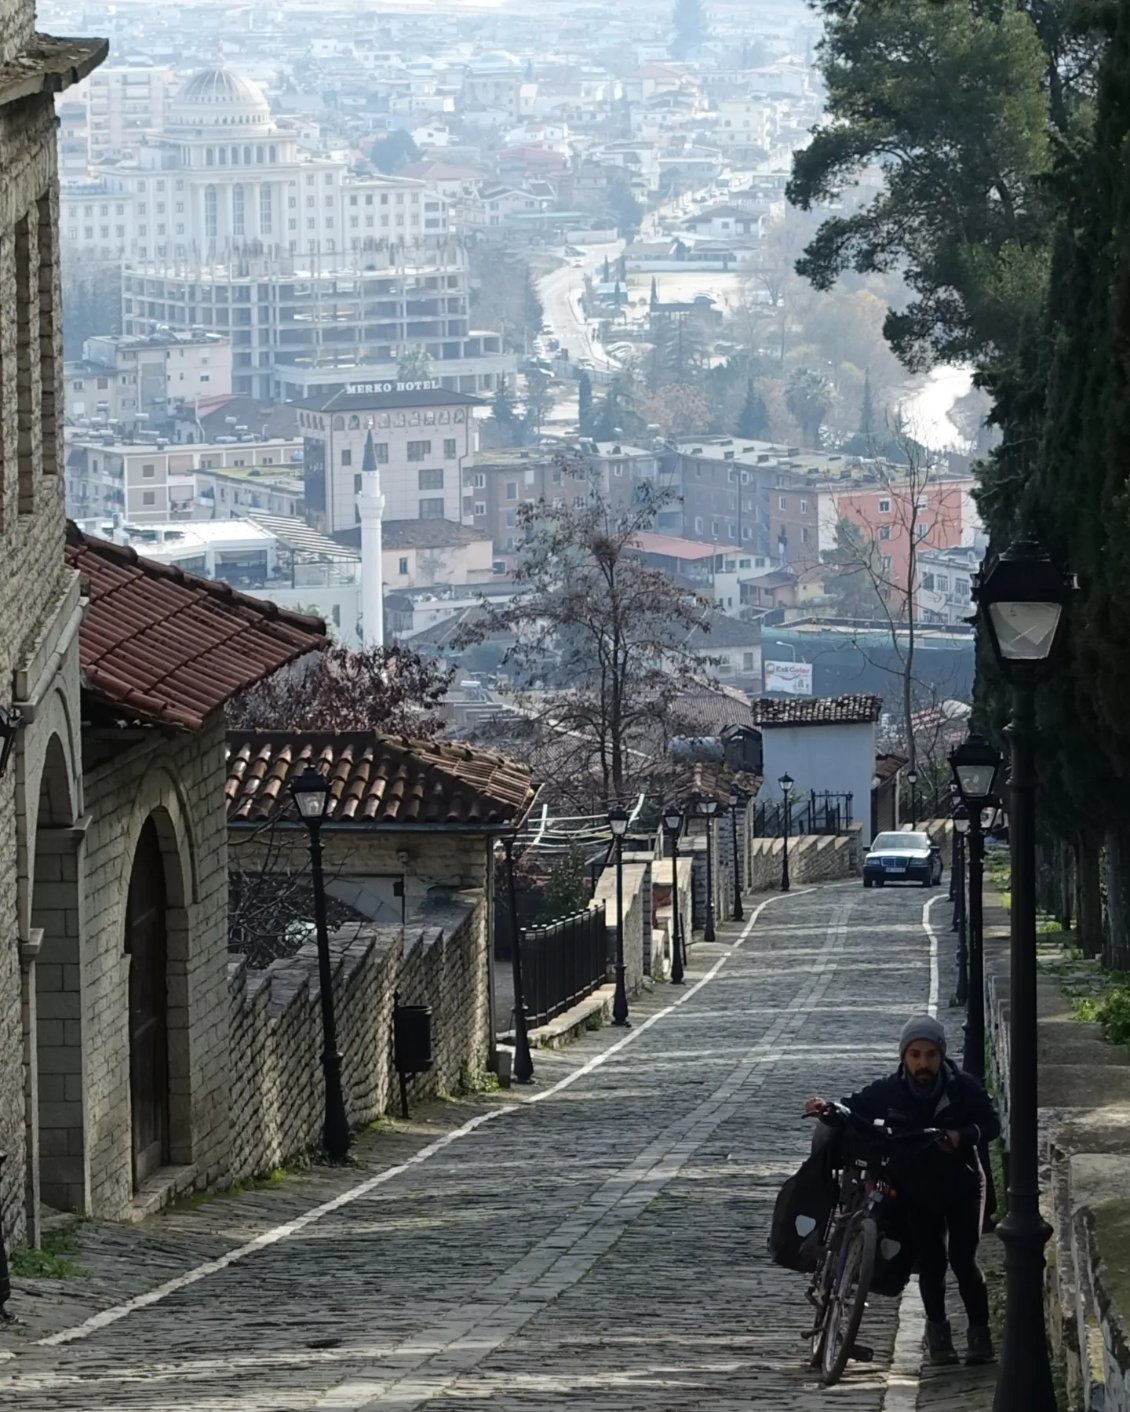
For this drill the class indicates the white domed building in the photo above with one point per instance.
(320, 278)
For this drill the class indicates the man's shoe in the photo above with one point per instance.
(939, 1344)
(979, 1348)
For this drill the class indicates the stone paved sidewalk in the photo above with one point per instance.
(597, 1242)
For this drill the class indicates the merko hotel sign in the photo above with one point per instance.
(362, 389)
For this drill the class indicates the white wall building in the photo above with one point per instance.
(222, 176)
(423, 438)
(825, 743)
(125, 379)
(145, 481)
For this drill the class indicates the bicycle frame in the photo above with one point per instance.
(864, 1189)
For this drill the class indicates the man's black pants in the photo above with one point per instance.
(950, 1238)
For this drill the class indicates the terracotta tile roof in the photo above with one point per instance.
(169, 648)
(375, 779)
(817, 710)
(889, 765)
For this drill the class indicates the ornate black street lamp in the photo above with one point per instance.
(523, 1059)
(618, 823)
(912, 781)
(673, 824)
(960, 833)
(1020, 598)
(975, 765)
(786, 783)
(735, 805)
(707, 806)
(311, 793)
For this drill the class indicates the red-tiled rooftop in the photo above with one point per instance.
(166, 647)
(817, 710)
(375, 779)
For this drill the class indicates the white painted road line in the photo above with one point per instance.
(906, 1360)
(115, 1313)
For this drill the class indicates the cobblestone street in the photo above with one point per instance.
(596, 1242)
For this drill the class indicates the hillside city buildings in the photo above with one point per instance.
(300, 233)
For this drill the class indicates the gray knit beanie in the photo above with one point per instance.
(923, 1028)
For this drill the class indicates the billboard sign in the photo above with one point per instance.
(790, 678)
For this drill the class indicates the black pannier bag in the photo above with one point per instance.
(800, 1215)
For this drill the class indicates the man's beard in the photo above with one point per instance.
(924, 1078)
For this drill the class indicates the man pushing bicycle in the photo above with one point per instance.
(941, 1189)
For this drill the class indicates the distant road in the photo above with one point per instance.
(560, 292)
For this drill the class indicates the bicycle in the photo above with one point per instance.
(850, 1244)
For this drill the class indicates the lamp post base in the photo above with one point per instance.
(523, 1060)
(335, 1131)
(1025, 1378)
(620, 999)
(677, 962)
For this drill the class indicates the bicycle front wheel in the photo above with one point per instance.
(848, 1299)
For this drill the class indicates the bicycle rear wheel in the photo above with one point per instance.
(848, 1299)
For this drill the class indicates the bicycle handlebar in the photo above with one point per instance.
(841, 1110)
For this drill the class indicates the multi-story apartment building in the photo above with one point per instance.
(754, 496)
(125, 103)
(499, 481)
(145, 481)
(423, 436)
(304, 328)
(892, 510)
(127, 379)
(221, 175)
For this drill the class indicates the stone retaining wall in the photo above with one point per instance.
(1084, 1096)
(812, 859)
(277, 1090)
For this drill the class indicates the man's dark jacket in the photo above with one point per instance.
(940, 1176)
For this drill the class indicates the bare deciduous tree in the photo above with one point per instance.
(599, 638)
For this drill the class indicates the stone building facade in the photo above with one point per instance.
(40, 793)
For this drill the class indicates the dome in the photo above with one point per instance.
(219, 98)
(494, 61)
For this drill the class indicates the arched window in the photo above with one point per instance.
(247, 156)
(222, 153)
(266, 214)
(271, 152)
(339, 424)
(209, 157)
(259, 154)
(238, 211)
(354, 422)
(210, 212)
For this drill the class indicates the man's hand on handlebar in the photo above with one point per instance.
(814, 1107)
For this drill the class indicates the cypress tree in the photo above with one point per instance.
(753, 419)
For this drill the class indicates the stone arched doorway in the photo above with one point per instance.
(55, 919)
(146, 945)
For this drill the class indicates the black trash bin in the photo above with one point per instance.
(411, 1045)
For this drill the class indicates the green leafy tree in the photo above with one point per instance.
(689, 19)
(584, 403)
(867, 408)
(626, 210)
(809, 397)
(396, 150)
(753, 420)
(961, 212)
(503, 405)
(566, 887)
(415, 365)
